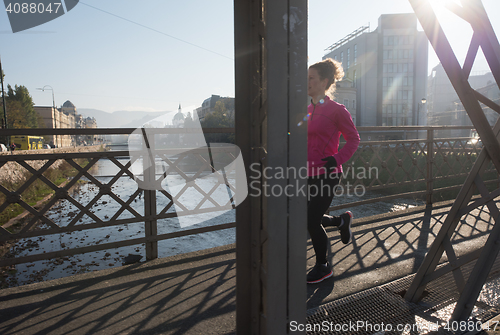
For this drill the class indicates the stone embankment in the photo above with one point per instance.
(13, 172)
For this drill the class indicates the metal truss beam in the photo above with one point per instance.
(271, 96)
(474, 13)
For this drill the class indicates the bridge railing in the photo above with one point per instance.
(390, 169)
(427, 167)
(131, 204)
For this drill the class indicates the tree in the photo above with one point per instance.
(188, 121)
(14, 114)
(20, 108)
(219, 118)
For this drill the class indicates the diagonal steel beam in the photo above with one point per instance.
(444, 51)
(471, 55)
(489, 41)
(483, 266)
(432, 258)
(484, 36)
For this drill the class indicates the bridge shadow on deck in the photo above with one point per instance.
(195, 293)
(179, 295)
(390, 246)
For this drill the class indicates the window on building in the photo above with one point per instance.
(342, 57)
(385, 94)
(391, 40)
(353, 104)
(346, 103)
(355, 54)
(348, 57)
(335, 57)
(393, 94)
(354, 77)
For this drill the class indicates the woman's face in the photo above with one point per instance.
(315, 86)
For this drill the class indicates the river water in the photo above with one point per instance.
(106, 207)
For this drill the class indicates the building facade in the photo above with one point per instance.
(454, 113)
(445, 109)
(66, 117)
(54, 118)
(345, 93)
(90, 122)
(388, 68)
(208, 106)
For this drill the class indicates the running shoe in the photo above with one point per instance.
(345, 227)
(319, 273)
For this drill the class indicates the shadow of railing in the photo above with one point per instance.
(154, 298)
(390, 246)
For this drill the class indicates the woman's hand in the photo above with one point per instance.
(331, 162)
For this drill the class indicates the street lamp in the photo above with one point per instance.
(422, 102)
(48, 87)
(3, 103)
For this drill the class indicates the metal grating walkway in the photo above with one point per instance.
(382, 310)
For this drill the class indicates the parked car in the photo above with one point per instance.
(3, 148)
(46, 146)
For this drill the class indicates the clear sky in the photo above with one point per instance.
(152, 55)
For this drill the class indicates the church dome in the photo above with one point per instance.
(68, 104)
(179, 116)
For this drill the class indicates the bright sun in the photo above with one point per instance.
(458, 32)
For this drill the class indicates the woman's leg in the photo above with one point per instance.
(321, 192)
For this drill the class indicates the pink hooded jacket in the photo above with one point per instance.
(326, 121)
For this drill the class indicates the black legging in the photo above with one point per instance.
(321, 191)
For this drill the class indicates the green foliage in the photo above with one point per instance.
(188, 121)
(37, 190)
(221, 117)
(20, 108)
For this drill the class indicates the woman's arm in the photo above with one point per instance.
(351, 135)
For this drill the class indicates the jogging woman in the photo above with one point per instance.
(326, 121)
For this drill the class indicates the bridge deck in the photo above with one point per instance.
(195, 293)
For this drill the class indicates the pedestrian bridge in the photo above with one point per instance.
(195, 293)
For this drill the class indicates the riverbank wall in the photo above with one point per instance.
(12, 172)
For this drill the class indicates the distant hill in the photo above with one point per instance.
(119, 119)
